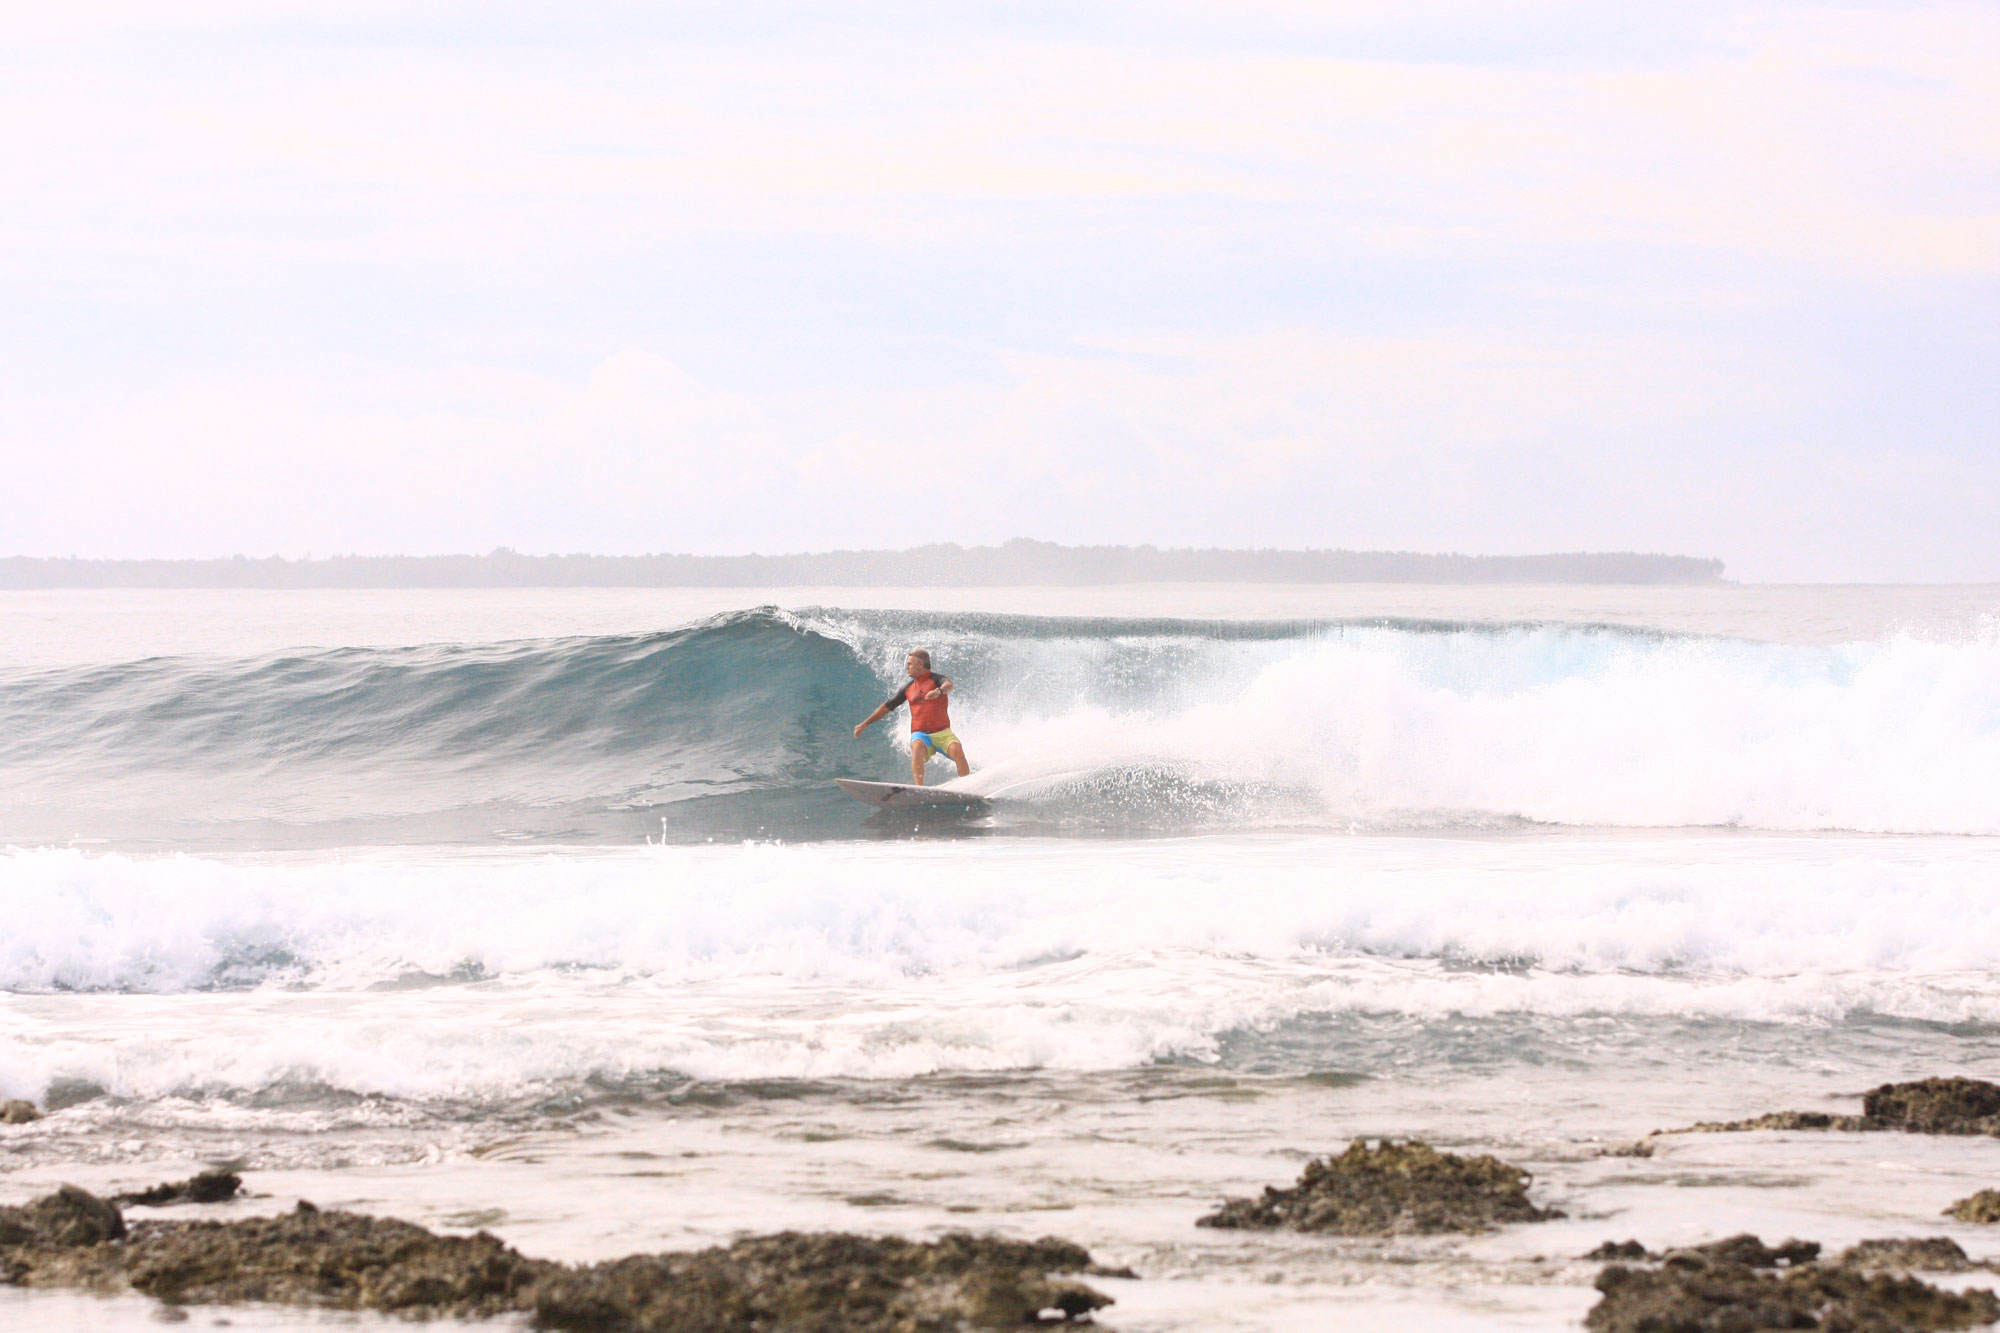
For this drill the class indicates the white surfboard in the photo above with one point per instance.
(908, 796)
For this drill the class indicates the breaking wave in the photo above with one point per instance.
(732, 728)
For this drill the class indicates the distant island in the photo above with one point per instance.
(1017, 563)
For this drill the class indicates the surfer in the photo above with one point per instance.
(929, 698)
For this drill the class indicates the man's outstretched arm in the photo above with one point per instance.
(881, 711)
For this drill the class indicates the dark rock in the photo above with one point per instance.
(306, 1257)
(1390, 1189)
(1636, 1148)
(340, 1260)
(208, 1187)
(1927, 1106)
(18, 1113)
(1628, 1250)
(794, 1281)
(1727, 1286)
(69, 1217)
(1935, 1254)
(1852, 1124)
(1931, 1254)
(788, 1283)
(1638, 1300)
(1746, 1250)
(1981, 1207)
(1724, 1297)
(1936, 1106)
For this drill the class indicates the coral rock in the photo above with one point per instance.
(1936, 1106)
(69, 1217)
(1746, 1250)
(1718, 1296)
(1391, 1189)
(208, 1187)
(1926, 1106)
(1981, 1207)
(829, 1281)
(1931, 1254)
(787, 1283)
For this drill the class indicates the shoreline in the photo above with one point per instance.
(647, 1178)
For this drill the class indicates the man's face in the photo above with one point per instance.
(915, 665)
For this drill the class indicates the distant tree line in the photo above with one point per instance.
(1018, 562)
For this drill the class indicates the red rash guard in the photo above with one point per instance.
(926, 715)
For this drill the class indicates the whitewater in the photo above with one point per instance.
(312, 885)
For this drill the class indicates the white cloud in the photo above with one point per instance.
(1833, 136)
(333, 277)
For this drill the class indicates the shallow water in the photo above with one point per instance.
(567, 937)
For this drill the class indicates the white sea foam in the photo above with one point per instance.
(864, 914)
(902, 959)
(1559, 725)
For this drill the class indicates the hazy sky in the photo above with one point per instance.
(1714, 279)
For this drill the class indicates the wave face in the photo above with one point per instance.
(733, 727)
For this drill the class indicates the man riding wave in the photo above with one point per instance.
(929, 698)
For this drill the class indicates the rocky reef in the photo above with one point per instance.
(305, 1257)
(827, 1281)
(68, 1219)
(1744, 1249)
(1928, 1254)
(1389, 1189)
(785, 1283)
(1984, 1206)
(1742, 1284)
(1620, 1251)
(1936, 1106)
(18, 1112)
(1926, 1106)
(207, 1187)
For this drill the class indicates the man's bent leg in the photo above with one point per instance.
(957, 753)
(919, 753)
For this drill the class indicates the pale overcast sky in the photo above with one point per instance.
(1713, 279)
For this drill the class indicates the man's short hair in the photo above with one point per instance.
(923, 653)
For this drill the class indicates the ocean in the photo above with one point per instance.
(537, 911)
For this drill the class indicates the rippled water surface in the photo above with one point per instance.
(540, 908)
